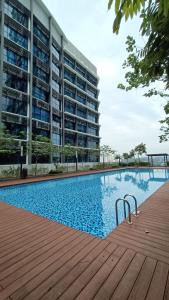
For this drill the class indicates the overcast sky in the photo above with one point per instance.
(127, 119)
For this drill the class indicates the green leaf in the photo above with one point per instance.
(117, 5)
(110, 4)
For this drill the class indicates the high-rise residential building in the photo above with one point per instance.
(47, 86)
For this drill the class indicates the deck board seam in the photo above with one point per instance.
(53, 254)
(71, 268)
(142, 245)
(87, 268)
(108, 274)
(135, 248)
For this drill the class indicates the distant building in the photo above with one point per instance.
(48, 87)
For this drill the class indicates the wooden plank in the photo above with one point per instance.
(128, 280)
(142, 283)
(115, 276)
(89, 282)
(81, 274)
(31, 253)
(137, 246)
(158, 283)
(48, 251)
(47, 275)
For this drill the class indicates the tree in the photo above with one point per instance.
(132, 154)
(68, 151)
(40, 147)
(151, 63)
(105, 151)
(118, 156)
(8, 145)
(140, 150)
(126, 156)
(130, 8)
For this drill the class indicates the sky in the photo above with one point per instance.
(127, 118)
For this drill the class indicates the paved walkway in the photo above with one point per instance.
(41, 259)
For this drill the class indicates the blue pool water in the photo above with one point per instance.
(86, 202)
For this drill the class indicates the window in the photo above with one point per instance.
(70, 139)
(69, 76)
(92, 105)
(91, 92)
(81, 98)
(92, 130)
(81, 84)
(81, 126)
(14, 105)
(92, 143)
(16, 37)
(56, 138)
(70, 107)
(15, 59)
(39, 53)
(70, 124)
(80, 70)
(40, 34)
(92, 117)
(91, 79)
(40, 114)
(56, 121)
(15, 82)
(40, 73)
(39, 93)
(56, 52)
(38, 131)
(81, 113)
(16, 129)
(55, 68)
(56, 104)
(15, 14)
(69, 61)
(56, 86)
(69, 91)
(81, 141)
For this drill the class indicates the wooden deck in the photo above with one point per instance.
(41, 259)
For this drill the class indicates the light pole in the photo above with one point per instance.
(21, 160)
(76, 161)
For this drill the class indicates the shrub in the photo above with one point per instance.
(54, 172)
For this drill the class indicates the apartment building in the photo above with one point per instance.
(47, 86)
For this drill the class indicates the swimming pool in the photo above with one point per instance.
(87, 202)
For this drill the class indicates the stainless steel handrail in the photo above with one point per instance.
(124, 205)
(135, 201)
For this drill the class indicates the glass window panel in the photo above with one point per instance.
(40, 35)
(16, 37)
(15, 59)
(15, 82)
(15, 14)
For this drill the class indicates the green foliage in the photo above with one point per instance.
(140, 149)
(105, 151)
(55, 172)
(129, 8)
(8, 145)
(11, 172)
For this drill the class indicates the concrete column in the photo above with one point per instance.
(50, 82)
(1, 55)
(63, 98)
(29, 159)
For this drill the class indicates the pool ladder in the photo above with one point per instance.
(126, 202)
